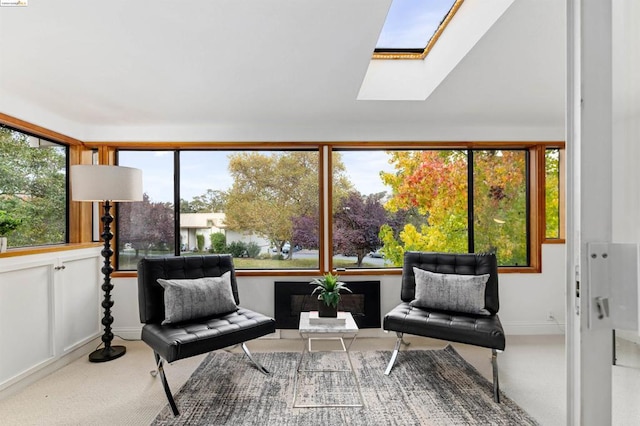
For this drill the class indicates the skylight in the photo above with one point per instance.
(413, 26)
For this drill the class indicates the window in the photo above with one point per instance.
(264, 206)
(413, 27)
(146, 228)
(500, 207)
(260, 206)
(552, 193)
(33, 182)
(390, 202)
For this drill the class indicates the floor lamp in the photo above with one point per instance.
(106, 184)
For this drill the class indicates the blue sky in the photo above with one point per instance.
(202, 170)
(411, 23)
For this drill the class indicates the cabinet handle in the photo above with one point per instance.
(57, 268)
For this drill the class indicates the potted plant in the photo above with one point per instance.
(328, 288)
(7, 224)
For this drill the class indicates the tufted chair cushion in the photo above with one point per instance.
(195, 336)
(151, 293)
(451, 263)
(479, 330)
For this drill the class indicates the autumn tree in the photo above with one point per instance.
(552, 169)
(432, 184)
(500, 212)
(269, 191)
(435, 185)
(33, 189)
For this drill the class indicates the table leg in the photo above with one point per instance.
(306, 348)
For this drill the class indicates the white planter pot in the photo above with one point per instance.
(3, 244)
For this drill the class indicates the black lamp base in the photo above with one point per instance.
(107, 354)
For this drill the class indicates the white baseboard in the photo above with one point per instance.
(128, 333)
(631, 336)
(528, 328)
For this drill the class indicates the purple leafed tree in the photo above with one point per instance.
(146, 225)
(305, 232)
(356, 224)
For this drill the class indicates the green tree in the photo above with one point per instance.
(552, 193)
(33, 189)
(200, 242)
(8, 223)
(210, 202)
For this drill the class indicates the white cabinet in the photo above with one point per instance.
(49, 306)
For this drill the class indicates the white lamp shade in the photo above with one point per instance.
(105, 183)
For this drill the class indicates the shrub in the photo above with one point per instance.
(253, 250)
(8, 223)
(237, 249)
(218, 242)
(200, 239)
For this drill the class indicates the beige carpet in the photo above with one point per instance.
(118, 392)
(122, 392)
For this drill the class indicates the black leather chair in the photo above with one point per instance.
(171, 342)
(480, 330)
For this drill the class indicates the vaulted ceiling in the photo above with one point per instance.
(270, 70)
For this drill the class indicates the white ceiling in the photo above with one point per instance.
(267, 70)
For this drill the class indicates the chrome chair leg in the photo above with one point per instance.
(394, 355)
(496, 385)
(256, 363)
(165, 384)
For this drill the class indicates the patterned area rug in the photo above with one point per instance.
(436, 387)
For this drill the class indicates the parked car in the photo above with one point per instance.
(285, 248)
(376, 253)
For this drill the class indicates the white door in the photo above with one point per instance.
(603, 112)
(589, 203)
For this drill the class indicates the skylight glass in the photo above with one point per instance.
(411, 24)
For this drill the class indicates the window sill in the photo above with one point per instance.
(25, 251)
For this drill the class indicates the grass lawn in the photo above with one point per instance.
(128, 262)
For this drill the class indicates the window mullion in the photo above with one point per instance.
(470, 215)
(176, 202)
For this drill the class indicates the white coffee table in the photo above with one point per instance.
(339, 332)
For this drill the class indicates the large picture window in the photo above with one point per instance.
(33, 194)
(264, 205)
(389, 202)
(260, 206)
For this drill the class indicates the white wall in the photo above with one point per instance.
(525, 299)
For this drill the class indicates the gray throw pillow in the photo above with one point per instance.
(187, 299)
(450, 292)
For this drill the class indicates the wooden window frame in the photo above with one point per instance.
(80, 214)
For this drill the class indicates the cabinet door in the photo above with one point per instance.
(78, 296)
(26, 312)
